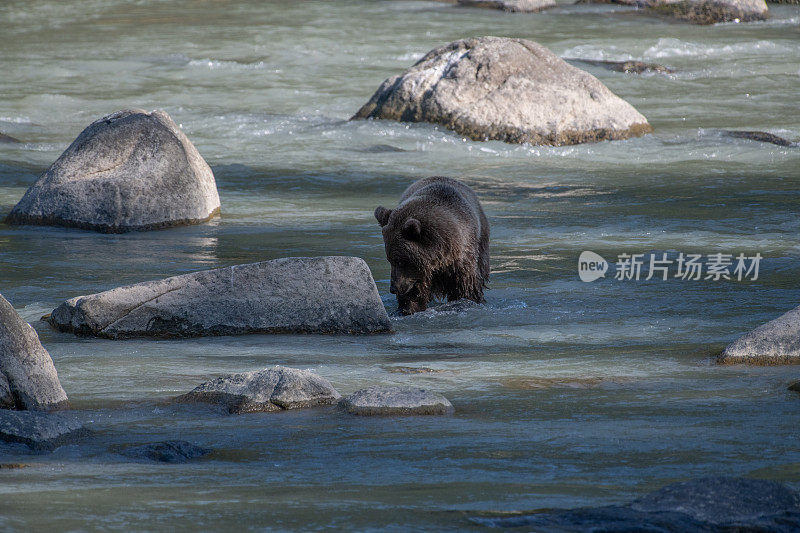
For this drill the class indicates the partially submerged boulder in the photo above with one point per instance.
(710, 11)
(38, 430)
(28, 379)
(704, 504)
(390, 401)
(513, 6)
(129, 171)
(169, 451)
(700, 11)
(290, 295)
(513, 90)
(776, 342)
(273, 389)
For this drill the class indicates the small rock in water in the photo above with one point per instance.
(8, 139)
(382, 149)
(289, 295)
(704, 504)
(170, 451)
(39, 430)
(795, 386)
(389, 401)
(272, 389)
(700, 11)
(760, 136)
(512, 90)
(513, 6)
(629, 67)
(776, 342)
(13, 466)
(413, 370)
(129, 171)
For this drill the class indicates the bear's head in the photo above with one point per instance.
(416, 247)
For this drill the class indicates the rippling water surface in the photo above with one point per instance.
(567, 393)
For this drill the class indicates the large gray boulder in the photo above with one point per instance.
(28, 379)
(514, 6)
(776, 342)
(290, 295)
(700, 11)
(699, 505)
(513, 90)
(390, 401)
(40, 431)
(273, 389)
(131, 170)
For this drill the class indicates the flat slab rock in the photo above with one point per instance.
(129, 171)
(273, 389)
(28, 379)
(512, 90)
(39, 430)
(170, 451)
(628, 67)
(776, 342)
(290, 295)
(388, 401)
(513, 6)
(704, 504)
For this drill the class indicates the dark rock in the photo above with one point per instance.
(8, 139)
(290, 295)
(513, 90)
(39, 430)
(513, 6)
(795, 386)
(776, 342)
(629, 67)
(28, 379)
(713, 504)
(273, 389)
(389, 401)
(760, 136)
(170, 451)
(129, 171)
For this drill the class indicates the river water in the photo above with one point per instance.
(566, 393)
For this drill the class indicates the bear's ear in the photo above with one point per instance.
(382, 215)
(412, 229)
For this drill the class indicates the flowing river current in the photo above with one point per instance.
(566, 393)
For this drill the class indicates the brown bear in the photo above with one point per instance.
(437, 241)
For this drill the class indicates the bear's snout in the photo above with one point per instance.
(401, 287)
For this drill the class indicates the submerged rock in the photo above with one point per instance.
(776, 342)
(629, 67)
(40, 431)
(513, 90)
(170, 451)
(705, 504)
(760, 136)
(272, 389)
(515, 6)
(396, 401)
(290, 295)
(795, 386)
(28, 379)
(129, 171)
(8, 139)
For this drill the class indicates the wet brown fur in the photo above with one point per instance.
(437, 241)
